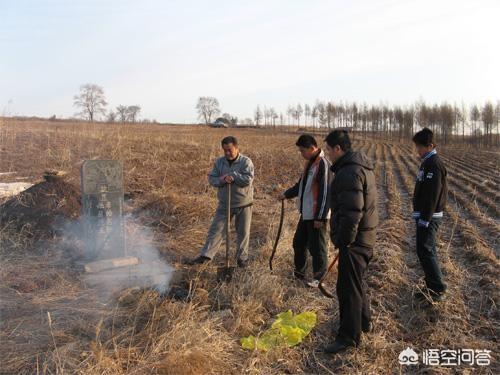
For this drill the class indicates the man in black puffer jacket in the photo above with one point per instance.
(354, 219)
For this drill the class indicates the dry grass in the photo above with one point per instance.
(52, 323)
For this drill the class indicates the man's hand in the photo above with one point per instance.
(318, 224)
(228, 179)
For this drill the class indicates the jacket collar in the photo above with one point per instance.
(429, 154)
(237, 159)
(319, 154)
(336, 166)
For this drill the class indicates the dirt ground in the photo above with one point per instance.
(52, 322)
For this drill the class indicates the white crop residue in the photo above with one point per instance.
(8, 189)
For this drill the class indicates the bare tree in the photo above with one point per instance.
(298, 113)
(207, 108)
(315, 113)
(91, 101)
(475, 116)
(133, 112)
(122, 112)
(267, 115)
(488, 117)
(257, 116)
(290, 112)
(111, 117)
(497, 118)
(322, 116)
(307, 112)
(274, 116)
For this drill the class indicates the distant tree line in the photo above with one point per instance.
(479, 124)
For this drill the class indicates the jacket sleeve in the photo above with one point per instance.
(244, 176)
(350, 211)
(293, 191)
(323, 180)
(432, 186)
(215, 175)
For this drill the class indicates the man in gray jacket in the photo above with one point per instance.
(235, 169)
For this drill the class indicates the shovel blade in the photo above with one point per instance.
(225, 274)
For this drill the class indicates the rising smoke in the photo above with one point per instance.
(151, 271)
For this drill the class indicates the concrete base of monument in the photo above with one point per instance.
(107, 264)
(148, 275)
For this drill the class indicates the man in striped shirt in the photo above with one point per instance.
(313, 204)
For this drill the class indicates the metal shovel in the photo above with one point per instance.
(225, 274)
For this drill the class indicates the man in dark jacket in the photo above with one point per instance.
(312, 192)
(353, 230)
(429, 201)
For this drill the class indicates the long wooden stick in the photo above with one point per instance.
(278, 235)
(228, 223)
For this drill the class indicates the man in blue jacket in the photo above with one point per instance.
(429, 202)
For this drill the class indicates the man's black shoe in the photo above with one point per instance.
(431, 296)
(198, 260)
(438, 297)
(242, 263)
(366, 327)
(338, 347)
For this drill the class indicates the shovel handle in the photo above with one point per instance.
(228, 222)
(322, 289)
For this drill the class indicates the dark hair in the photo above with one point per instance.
(306, 141)
(339, 137)
(424, 137)
(229, 139)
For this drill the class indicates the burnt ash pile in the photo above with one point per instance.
(43, 208)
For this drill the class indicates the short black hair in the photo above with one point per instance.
(229, 139)
(424, 137)
(306, 141)
(339, 137)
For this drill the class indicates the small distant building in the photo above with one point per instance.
(220, 122)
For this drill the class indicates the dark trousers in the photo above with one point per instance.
(354, 304)
(316, 241)
(426, 251)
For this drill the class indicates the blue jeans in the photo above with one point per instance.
(426, 251)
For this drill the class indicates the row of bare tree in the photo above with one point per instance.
(92, 104)
(479, 124)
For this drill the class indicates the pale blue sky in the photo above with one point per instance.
(163, 55)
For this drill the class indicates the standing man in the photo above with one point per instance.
(237, 170)
(312, 190)
(353, 230)
(429, 201)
